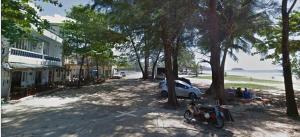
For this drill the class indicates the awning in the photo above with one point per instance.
(25, 66)
(16, 65)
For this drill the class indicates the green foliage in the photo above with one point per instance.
(122, 62)
(296, 65)
(185, 58)
(270, 47)
(88, 31)
(138, 24)
(239, 21)
(18, 17)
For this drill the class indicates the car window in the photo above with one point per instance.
(180, 85)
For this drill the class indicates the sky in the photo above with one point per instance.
(57, 14)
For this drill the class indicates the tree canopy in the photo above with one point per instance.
(20, 17)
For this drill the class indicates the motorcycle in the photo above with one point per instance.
(206, 114)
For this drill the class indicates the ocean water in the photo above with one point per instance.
(258, 74)
(262, 74)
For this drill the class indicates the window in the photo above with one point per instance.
(180, 85)
(31, 76)
(58, 73)
(22, 44)
(46, 48)
(19, 44)
(24, 76)
(33, 44)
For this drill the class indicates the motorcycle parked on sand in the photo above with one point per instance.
(208, 114)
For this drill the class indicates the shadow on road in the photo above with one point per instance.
(96, 109)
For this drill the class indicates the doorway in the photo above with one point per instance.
(38, 77)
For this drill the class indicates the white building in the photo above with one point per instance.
(31, 62)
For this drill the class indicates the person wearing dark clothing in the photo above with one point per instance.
(239, 92)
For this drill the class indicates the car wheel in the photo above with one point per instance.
(188, 116)
(192, 96)
(164, 94)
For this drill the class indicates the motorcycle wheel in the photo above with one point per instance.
(219, 123)
(188, 115)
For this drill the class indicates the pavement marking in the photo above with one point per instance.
(126, 114)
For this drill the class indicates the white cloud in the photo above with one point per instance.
(56, 18)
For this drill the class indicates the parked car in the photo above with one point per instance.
(185, 80)
(181, 79)
(116, 76)
(123, 74)
(182, 89)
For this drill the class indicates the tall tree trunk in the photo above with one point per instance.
(103, 71)
(88, 68)
(196, 69)
(155, 63)
(175, 59)
(146, 68)
(286, 64)
(222, 84)
(137, 55)
(215, 51)
(172, 100)
(80, 72)
(97, 67)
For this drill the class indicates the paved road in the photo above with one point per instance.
(125, 107)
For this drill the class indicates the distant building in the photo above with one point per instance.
(31, 62)
(89, 69)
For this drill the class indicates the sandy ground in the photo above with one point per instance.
(130, 107)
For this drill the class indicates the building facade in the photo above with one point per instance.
(89, 69)
(31, 62)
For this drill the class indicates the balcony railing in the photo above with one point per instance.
(24, 53)
(51, 58)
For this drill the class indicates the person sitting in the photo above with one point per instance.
(246, 94)
(239, 92)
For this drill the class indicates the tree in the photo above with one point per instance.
(277, 45)
(294, 49)
(18, 17)
(185, 58)
(86, 30)
(134, 22)
(195, 67)
(142, 19)
(173, 18)
(286, 64)
(215, 50)
(238, 21)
